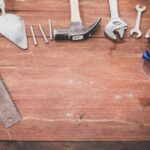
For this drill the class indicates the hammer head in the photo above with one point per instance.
(77, 32)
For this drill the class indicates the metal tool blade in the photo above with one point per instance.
(13, 28)
(121, 32)
(8, 111)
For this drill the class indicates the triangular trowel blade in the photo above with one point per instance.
(13, 28)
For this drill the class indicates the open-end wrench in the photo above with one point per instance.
(136, 29)
(115, 25)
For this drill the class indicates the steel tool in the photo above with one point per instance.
(136, 29)
(9, 114)
(13, 28)
(43, 34)
(33, 36)
(147, 36)
(116, 27)
(77, 31)
(50, 29)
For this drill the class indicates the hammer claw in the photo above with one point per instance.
(77, 31)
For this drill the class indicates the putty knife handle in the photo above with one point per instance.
(146, 55)
(75, 13)
(2, 6)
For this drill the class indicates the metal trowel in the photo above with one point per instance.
(13, 28)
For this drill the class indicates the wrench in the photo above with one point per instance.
(136, 29)
(115, 24)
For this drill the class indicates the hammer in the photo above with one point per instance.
(77, 31)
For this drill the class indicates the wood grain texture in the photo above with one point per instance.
(85, 91)
(74, 145)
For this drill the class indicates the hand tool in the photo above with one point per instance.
(12, 27)
(9, 114)
(136, 29)
(146, 63)
(116, 27)
(77, 31)
(33, 36)
(50, 29)
(147, 36)
(43, 34)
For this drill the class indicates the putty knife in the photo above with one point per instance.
(12, 27)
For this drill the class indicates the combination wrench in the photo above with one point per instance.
(136, 29)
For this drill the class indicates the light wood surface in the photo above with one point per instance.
(85, 91)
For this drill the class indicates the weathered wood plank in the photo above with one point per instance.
(60, 14)
(95, 106)
(90, 90)
(74, 145)
(93, 52)
(52, 5)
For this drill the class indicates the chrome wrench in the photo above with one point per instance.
(115, 24)
(136, 29)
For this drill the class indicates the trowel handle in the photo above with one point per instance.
(75, 13)
(146, 55)
(2, 6)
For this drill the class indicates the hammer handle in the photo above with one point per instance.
(75, 13)
(2, 6)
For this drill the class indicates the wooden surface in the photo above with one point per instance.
(91, 90)
(74, 145)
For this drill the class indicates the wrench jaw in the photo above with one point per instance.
(140, 8)
(109, 31)
(115, 29)
(121, 32)
(139, 35)
(115, 34)
(134, 31)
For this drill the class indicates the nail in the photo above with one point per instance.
(43, 33)
(33, 36)
(50, 29)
